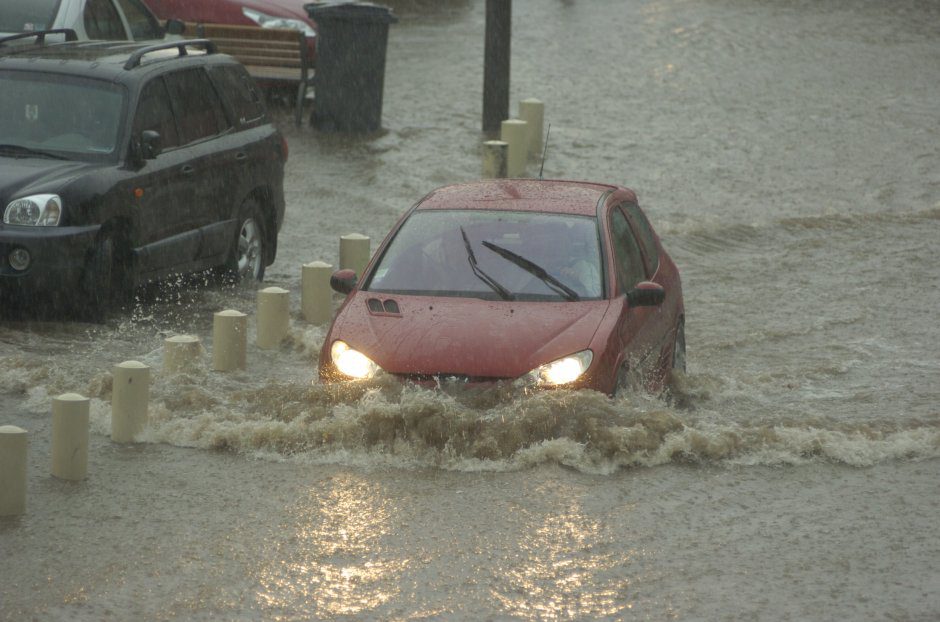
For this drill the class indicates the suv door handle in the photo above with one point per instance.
(241, 155)
(187, 169)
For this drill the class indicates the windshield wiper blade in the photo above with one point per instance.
(504, 293)
(20, 149)
(535, 269)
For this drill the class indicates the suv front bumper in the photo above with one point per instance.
(57, 257)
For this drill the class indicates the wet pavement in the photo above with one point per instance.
(787, 155)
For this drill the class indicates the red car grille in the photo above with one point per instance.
(449, 379)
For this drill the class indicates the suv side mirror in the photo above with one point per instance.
(343, 281)
(151, 145)
(646, 294)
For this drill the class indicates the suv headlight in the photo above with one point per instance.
(40, 210)
(562, 371)
(270, 21)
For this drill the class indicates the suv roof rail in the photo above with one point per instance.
(137, 56)
(40, 35)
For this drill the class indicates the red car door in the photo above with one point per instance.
(664, 321)
(640, 326)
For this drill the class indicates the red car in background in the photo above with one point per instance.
(544, 283)
(263, 13)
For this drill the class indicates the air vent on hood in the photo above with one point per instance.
(379, 307)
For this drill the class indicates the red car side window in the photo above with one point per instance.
(646, 237)
(630, 268)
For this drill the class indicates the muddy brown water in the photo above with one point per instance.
(786, 152)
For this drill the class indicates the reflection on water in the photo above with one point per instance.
(338, 553)
(333, 559)
(567, 568)
(557, 577)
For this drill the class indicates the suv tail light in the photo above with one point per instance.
(284, 150)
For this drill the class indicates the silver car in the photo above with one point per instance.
(90, 19)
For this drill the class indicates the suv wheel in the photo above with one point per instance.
(246, 259)
(104, 280)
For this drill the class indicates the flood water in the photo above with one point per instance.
(787, 152)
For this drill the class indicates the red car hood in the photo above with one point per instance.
(467, 336)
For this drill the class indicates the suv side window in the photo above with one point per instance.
(196, 104)
(141, 22)
(244, 98)
(154, 113)
(627, 251)
(645, 234)
(102, 21)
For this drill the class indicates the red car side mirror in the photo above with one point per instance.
(646, 294)
(343, 281)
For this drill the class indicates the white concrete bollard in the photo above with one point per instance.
(532, 111)
(70, 436)
(316, 297)
(495, 154)
(181, 353)
(354, 252)
(515, 132)
(273, 319)
(130, 401)
(229, 340)
(13, 443)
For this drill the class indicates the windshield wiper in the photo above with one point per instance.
(26, 151)
(504, 293)
(535, 269)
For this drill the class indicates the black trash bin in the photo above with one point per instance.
(350, 75)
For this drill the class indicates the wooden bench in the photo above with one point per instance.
(271, 55)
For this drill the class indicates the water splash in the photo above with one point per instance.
(383, 423)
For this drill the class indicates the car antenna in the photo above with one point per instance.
(545, 149)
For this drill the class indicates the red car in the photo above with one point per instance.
(264, 13)
(548, 283)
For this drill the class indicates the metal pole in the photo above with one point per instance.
(496, 64)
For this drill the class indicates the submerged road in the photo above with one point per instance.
(788, 155)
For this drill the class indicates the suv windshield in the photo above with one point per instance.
(492, 255)
(57, 113)
(27, 15)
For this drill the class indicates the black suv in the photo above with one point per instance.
(124, 163)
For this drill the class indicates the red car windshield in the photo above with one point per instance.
(492, 255)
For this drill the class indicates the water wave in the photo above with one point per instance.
(843, 221)
(714, 234)
(702, 420)
(385, 423)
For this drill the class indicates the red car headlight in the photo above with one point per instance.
(352, 362)
(562, 371)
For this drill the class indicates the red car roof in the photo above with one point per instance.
(538, 195)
